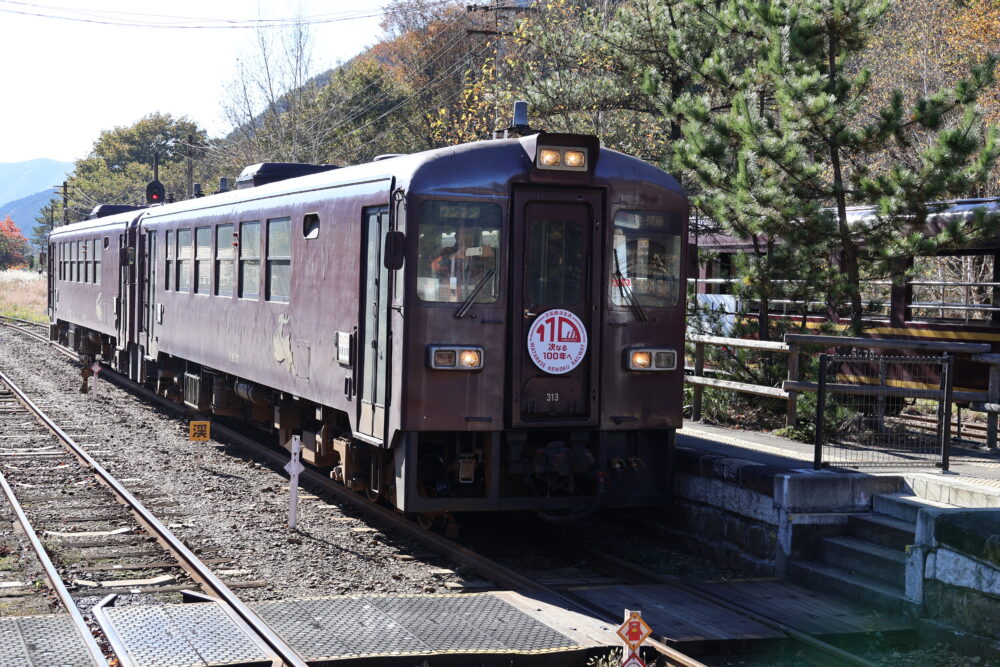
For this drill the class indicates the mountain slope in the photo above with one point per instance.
(21, 179)
(23, 211)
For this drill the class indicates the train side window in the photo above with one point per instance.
(279, 259)
(92, 260)
(76, 261)
(184, 260)
(203, 260)
(249, 260)
(224, 260)
(169, 263)
(310, 226)
(98, 252)
(62, 260)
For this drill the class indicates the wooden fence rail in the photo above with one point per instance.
(985, 401)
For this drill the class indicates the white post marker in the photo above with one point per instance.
(96, 368)
(633, 632)
(294, 468)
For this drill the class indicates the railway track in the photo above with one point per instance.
(491, 570)
(104, 524)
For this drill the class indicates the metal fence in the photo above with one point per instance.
(883, 411)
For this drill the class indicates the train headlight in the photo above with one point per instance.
(455, 357)
(549, 157)
(564, 159)
(470, 359)
(650, 359)
(575, 158)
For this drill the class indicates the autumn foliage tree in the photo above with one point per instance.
(13, 245)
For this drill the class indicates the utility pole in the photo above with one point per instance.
(190, 167)
(65, 198)
(495, 7)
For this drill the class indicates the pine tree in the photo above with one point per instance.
(792, 151)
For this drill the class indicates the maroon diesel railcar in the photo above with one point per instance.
(493, 326)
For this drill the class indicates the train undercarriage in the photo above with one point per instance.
(561, 472)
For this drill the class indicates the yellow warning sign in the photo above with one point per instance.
(200, 431)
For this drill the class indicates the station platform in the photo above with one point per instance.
(967, 466)
(42, 640)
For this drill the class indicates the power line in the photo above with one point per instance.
(119, 19)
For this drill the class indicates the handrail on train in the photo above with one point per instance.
(983, 401)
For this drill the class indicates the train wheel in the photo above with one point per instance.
(435, 522)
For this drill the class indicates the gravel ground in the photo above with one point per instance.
(231, 505)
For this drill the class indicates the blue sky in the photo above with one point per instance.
(64, 81)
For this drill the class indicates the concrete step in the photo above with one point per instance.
(903, 506)
(865, 558)
(871, 593)
(954, 492)
(882, 530)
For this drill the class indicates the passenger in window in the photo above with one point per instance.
(466, 259)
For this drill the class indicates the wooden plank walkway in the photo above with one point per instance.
(805, 610)
(698, 626)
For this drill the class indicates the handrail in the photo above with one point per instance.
(988, 401)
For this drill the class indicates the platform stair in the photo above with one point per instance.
(867, 563)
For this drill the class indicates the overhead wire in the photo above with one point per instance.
(433, 58)
(118, 18)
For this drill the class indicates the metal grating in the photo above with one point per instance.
(184, 634)
(42, 640)
(341, 627)
(883, 411)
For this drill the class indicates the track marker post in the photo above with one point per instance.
(294, 468)
(633, 632)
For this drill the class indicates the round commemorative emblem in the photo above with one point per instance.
(557, 341)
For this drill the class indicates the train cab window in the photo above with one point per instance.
(62, 261)
(279, 259)
(310, 226)
(457, 249)
(169, 263)
(554, 257)
(98, 252)
(249, 260)
(645, 259)
(184, 260)
(87, 260)
(203, 260)
(224, 260)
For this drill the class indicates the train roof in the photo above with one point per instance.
(947, 211)
(471, 169)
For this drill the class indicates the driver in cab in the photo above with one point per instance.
(465, 259)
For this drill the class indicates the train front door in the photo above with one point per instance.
(374, 334)
(555, 321)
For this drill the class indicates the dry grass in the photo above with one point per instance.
(23, 294)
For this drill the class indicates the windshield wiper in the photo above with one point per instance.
(627, 294)
(464, 308)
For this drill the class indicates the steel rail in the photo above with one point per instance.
(53, 576)
(194, 566)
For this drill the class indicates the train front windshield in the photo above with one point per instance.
(458, 251)
(645, 259)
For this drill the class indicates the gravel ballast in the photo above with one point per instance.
(221, 501)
